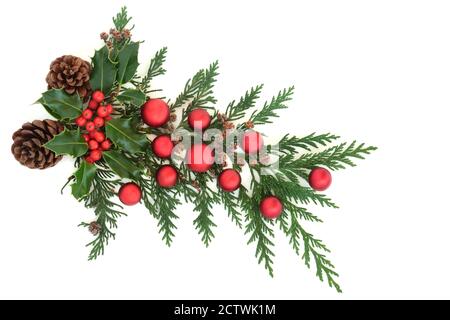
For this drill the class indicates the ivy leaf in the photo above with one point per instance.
(61, 105)
(132, 96)
(121, 165)
(128, 62)
(104, 72)
(121, 132)
(83, 179)
(68, 142)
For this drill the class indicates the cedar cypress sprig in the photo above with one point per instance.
(165, 204)
(289, 144)
(231, 203)
(236, 111)
(155, 69)
(106, 211)
(121, 20)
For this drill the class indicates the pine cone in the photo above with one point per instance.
(71, 74)
(28, 144)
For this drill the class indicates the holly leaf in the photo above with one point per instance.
(62, 105)
(103, 73)
(53, 114)
(132, 96)
(83, 180)
(121, 132)
(128, 62)
(121, 165)
(68, 142)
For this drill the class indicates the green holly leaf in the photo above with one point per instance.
(128, 62)
(132, 96)
(121, 165)
(104, 71)
(121, 132)
(50, 111)
(62, 105)
(83, 180)
(68, 142)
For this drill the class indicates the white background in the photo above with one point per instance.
(375, 71)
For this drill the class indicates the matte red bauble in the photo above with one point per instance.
(229, 180)
(130, 194)
(199, 119)
(155, 113)
(271, 207)
(200, 157)
(166, 176)
(162, 146)
(319, 179)
(252, 142)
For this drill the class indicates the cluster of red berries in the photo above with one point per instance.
(93, 120)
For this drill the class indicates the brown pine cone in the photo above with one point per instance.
(71, 74)
(28, 144)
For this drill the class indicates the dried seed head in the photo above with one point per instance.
(249, 125)
(126, 34)
(104, 36)
(173, 117)
(94, 228)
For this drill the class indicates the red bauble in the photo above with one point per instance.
(155, 113)
(252, 142)
(229, 180)
(319, 179)
(199, 119)
(130, 194)
(271, 207)
(166, 176)
(200, 157)
(98, 96)
(162, 146)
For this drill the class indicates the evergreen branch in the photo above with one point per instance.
(288, 144)
(230, 203)
(335, 158)
(270, 109)
(155, 69)
(121, 20)
(203, 204)
(105, 210)
(237, 111)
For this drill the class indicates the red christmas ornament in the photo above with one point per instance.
(166, 176)
(155, 113)
(130, 194)
(200, 157)
(319, 179)
(271, 207)
(98, 96)
(199, 119)
(162, 146)
(252, 142)
(229, 180)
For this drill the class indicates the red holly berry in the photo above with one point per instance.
(106, 145)
(229, 180)
(200, 157)
(107, 118)
(102, 112)
(109, 108)
(90, 126)
(80, 121)
(155, 113)
(319, 179)
(162, 146)
(99, 122)
(86, 137)
(166, 176)
(271, 207)
(130, 194)
(99, 136)
(89, 159)
(92, 134)
(93, 145)
(98, 96)
(92, 105)
(96, 155)
(199, 119)
(87, 114)
(252, 142)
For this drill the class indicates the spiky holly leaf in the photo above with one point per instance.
(104, 71)
(68, 142)
(121, 165)
(122, 133)
(128, 62)
(83, 180)
(61, 105)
